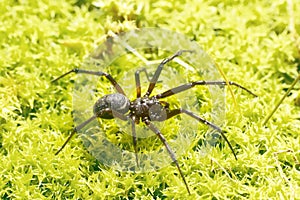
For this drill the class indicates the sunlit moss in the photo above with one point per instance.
(250, 41)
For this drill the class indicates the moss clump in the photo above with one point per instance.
(251, 42)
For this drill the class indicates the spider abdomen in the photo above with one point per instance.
(108, 104)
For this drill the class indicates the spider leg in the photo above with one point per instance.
(134, 140)
(77, 128)
(171, 153)
(83, 124)
(172, 113)
(97, 73)
(138, 82)
(159, 69)
(187, 86)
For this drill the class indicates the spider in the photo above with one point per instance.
(146, 108)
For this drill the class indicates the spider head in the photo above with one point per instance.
(111, 104)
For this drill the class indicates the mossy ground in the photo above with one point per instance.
(250, 40)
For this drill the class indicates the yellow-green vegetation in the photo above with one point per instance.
(252, 43)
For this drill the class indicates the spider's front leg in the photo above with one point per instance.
(159, 69)
(190, 85)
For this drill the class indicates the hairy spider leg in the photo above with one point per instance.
(187, 86)
(134, 140)
(172, 113)
(138, 82)
(83, 124)
(96, 73)
(159, 69)
(77, 128)
(171, 153)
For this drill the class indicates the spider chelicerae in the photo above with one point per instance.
(145, 108)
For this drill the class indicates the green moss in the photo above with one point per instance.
(251, 42)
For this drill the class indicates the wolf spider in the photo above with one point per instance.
(146, 108)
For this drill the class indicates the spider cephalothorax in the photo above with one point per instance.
(146, 108)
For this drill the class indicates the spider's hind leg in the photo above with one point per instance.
(134, 141)
(77, 128)
(171, 153)
(172, 113)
